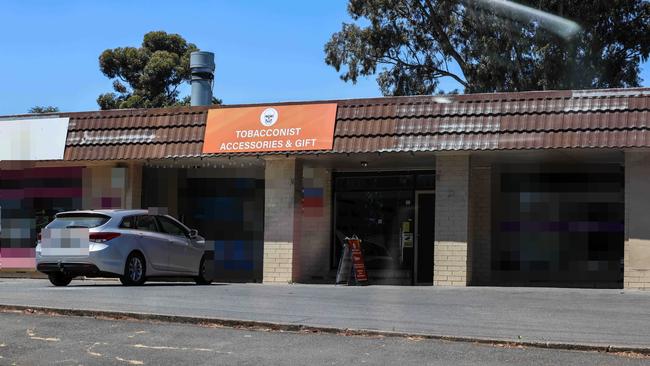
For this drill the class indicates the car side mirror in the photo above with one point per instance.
(193, 234)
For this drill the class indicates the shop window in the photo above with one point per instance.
(425, 182)
(226, 210)
(29, 200)
(379, 183)
(559, 226)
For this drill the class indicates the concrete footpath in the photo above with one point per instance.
(584, 317)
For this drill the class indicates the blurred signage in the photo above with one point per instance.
(33, 139)
(298, 127)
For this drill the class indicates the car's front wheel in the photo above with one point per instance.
(59, 279)
(134, 270)
(204, 277)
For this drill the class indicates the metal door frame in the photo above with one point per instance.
(416, 238)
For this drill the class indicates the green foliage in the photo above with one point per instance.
(187, 100)
(411, 44)
(43, 109)
(148, 76)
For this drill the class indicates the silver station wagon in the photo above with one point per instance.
(132, 245)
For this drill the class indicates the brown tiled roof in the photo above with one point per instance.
(611, 118)
(136, 134)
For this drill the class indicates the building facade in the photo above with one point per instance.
(507, 189)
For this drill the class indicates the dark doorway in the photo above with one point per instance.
(424, 225)
(379, 207)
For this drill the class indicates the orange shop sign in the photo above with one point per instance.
(270, 128)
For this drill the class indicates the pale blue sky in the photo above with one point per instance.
(266, 51)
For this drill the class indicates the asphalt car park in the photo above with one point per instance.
(45, 340)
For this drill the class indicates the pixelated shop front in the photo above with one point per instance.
(543, 188)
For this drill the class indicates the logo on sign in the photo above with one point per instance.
(268, 117)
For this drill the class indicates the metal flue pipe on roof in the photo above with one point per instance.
(202, 69)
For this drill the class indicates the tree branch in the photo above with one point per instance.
(445, 43)
(432, 69)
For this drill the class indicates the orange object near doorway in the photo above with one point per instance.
(358, 264)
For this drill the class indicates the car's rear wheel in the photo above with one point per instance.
(59, 279)
(203, 278)
(134, 270)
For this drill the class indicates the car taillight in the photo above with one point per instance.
(102, 237)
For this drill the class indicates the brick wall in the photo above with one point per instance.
(480, 223)
(637, 221)
(278, 257)
(451, 227)
(283, 191)
(316, 228)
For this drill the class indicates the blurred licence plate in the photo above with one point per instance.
(65, 242)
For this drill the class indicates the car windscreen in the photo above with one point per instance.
(78, 221)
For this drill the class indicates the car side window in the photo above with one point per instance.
(128, 222)
(146, 223)
(170, 227)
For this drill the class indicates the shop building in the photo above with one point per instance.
(544, 188)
